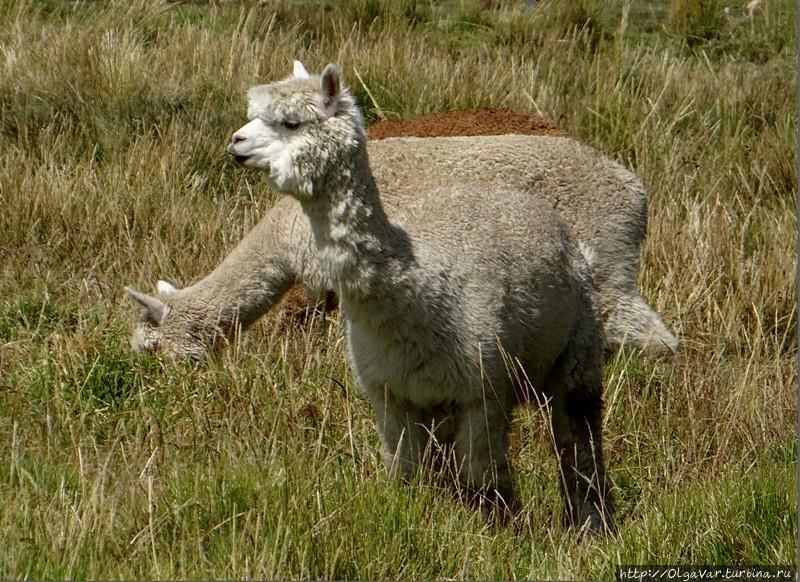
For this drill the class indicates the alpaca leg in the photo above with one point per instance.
(403, 432)
(577, 409)
(480, 456)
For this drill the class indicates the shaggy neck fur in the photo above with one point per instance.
(357, 246)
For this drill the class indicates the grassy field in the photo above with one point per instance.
(264, 463)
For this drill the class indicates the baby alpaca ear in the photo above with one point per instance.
(331, 86)
(153, 309)
(165, 287)
(300, 71)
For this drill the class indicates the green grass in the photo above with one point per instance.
(264, 462)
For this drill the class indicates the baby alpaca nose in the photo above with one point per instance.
(237, 137)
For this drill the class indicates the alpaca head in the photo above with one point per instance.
(301, 130)
(159, 331)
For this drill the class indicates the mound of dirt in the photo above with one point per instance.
(464, 122)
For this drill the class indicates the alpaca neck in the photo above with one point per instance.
(225, 302)
(248, 282)
(356, 245)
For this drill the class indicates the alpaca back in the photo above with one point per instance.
(603, 203)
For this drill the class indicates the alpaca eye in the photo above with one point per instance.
(290, 125)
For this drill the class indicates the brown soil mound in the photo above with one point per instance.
(464, 122)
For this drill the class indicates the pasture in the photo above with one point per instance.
(264, 462)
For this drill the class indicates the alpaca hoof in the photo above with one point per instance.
(592, 521)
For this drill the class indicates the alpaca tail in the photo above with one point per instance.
(632, 323)
(628, 321)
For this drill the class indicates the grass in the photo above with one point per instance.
(264, 463)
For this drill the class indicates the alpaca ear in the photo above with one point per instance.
(300, 71)
(153, 309)
(165, 287)
(331, 85)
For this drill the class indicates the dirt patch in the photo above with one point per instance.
(464, 122)
(297, 307)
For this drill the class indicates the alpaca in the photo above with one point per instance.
(446, 306)
(272, 258)
(603, 204)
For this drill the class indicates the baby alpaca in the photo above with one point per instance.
(446, 305)
(269, 260)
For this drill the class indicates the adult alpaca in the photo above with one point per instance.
(442, 303)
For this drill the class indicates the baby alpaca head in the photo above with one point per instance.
(159, 332)
(300, 130)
